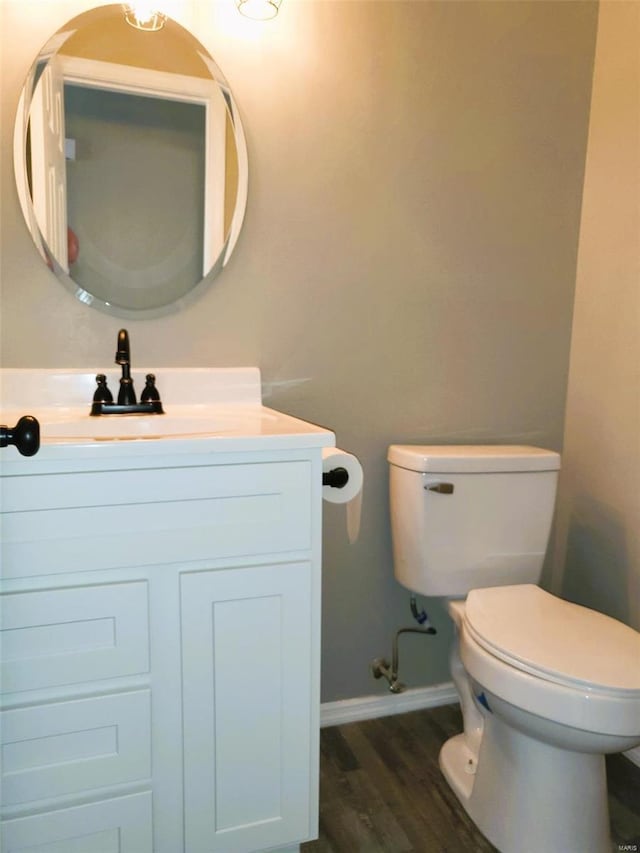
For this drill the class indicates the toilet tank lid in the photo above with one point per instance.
(472, 458)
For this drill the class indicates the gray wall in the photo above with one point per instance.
(407, 265)
(120, 206)
(598, 544)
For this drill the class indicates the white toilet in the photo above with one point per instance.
(546, 687)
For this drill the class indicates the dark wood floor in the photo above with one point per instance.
(381, 791)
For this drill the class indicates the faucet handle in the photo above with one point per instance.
(150, 395)
(150, 392)
(102, 393)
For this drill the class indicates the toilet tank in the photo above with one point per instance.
(468, 516)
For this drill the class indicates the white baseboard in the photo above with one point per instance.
(415, 699)
(634, 755)
(369, 707)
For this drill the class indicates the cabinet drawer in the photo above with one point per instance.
(119, 825)
(73, 634)
(109, 519)
(79, 745)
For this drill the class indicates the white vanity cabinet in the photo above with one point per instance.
(160, 645)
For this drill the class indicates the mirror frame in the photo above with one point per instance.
(48, 51)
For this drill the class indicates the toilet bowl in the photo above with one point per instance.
(531, 771)
(557, 661)
(546, 687)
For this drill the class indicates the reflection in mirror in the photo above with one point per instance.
(130, 163)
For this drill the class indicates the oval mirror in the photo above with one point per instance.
(130, 163)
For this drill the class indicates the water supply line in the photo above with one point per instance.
(380, 666)
(421, 616)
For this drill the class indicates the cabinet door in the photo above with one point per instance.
(246, 705)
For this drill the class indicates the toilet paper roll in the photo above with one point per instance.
(354, 511)
(349, 494)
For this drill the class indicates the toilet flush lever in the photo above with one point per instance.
(440, 488)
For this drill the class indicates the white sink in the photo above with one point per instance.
(182, 421)
(222, 405)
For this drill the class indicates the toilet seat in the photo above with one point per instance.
(554, 640)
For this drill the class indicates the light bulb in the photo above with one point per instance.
(143, 15)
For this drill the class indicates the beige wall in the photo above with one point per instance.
(407, 264)
(598, 555)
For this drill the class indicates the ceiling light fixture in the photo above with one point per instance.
(142, 15)
(258, 10)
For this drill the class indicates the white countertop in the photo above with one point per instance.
(207, 410)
